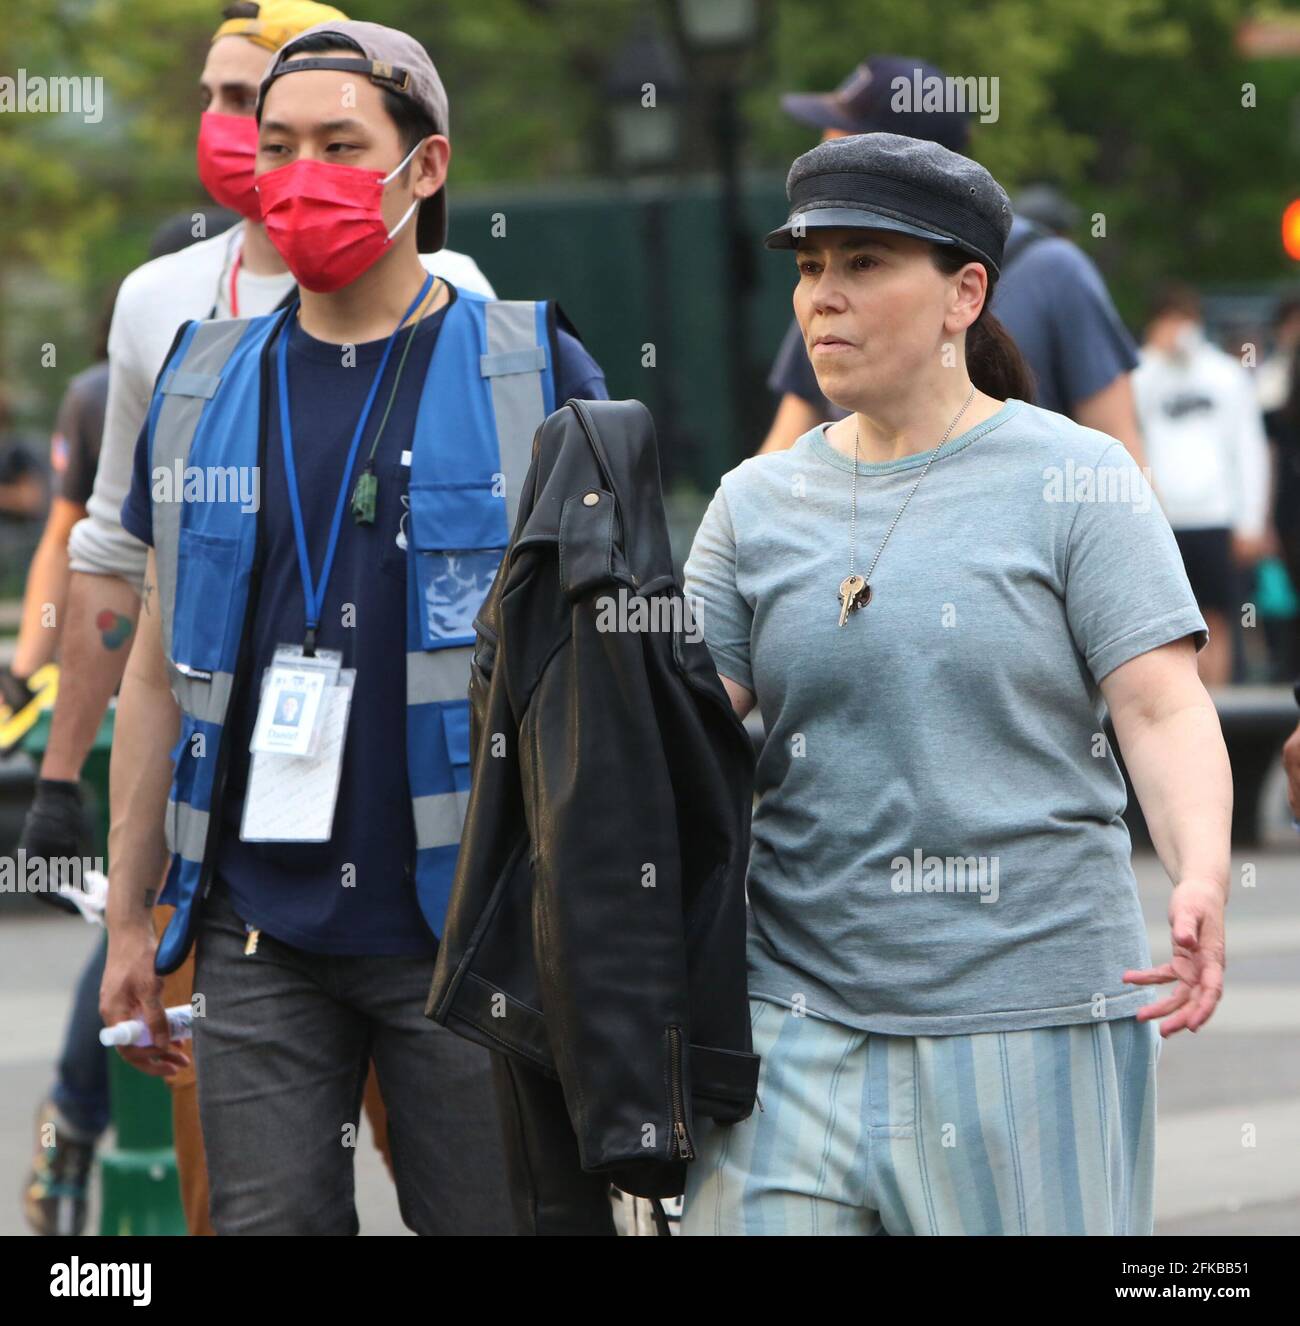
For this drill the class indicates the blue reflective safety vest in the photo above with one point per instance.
(489, 385)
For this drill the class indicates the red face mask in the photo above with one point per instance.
(227, 149)
(326, 220)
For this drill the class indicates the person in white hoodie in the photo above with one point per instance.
(1209, 461)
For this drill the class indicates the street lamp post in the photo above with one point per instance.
(643, 91)
(717, 37)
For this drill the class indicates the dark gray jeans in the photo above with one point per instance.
(282, 1053)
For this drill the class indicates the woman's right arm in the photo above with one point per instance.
(718, 609)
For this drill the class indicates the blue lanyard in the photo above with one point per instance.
(314, 597)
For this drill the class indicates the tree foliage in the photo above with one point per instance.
(1134, 106)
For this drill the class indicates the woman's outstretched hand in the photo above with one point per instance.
(1196, 928)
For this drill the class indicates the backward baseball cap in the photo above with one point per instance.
(396, 62)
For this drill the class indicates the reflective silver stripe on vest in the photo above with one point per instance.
(438, 674)
(212, 346)
(439, 819)
(517, 398)
(201, 699)
(186, 830)
(513, 367)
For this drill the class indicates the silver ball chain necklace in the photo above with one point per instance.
(855, 590)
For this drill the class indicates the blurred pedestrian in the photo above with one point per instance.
(1273, 375)
(1051, 297)
(22, 490)
(1046, 206)
(1282, 425)
(1209, 462)
(74, 455)
(73, 1117)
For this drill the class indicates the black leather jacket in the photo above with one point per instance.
(596, 930)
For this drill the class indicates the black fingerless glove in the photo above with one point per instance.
(14, 691)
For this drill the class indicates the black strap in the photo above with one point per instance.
(377, 71)
(661, 1218)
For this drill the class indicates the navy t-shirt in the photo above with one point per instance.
(296, 891)
(1052, 300)
(1054, 303)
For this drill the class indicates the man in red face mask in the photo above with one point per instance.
(386, 419)
(238, 272)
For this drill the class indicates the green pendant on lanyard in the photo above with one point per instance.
(314, 595)
(367, 489)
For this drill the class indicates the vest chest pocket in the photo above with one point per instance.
(207, 568)
(458, 536)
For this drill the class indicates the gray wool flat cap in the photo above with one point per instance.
(888, 182)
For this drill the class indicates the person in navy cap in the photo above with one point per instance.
(865, 102)
(932, 602)
(1052, 299)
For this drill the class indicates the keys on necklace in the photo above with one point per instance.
(853, 594)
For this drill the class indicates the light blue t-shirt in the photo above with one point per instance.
(938, 845)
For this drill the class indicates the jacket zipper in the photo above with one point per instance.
(681, 1143)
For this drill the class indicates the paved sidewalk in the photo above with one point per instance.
(1229, 1104)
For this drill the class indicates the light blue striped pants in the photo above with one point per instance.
(1049, 1131)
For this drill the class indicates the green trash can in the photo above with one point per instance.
(139, 1189)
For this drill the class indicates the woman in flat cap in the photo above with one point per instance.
(934, 602)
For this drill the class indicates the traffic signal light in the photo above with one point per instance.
(1291, 230)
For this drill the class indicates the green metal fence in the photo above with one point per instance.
(648, 265)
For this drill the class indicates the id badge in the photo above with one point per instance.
(291, 797)
(292, 689)
(286, 717)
